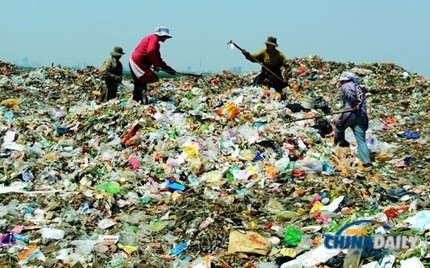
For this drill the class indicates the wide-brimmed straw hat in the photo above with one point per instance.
(117, 51)
(271, 41)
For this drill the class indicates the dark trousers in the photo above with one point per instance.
(140, 88)
(110, 91)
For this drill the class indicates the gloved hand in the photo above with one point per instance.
(246, 53)
(170, 70)
(287, 74)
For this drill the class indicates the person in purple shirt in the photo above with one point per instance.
(353, 97)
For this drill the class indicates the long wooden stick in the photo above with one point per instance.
(189, 74)
(318, 116)
(200, 76)
(253, 58)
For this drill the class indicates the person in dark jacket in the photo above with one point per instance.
(353, 97)
(275, 61)
(111, 73)
(146, 56)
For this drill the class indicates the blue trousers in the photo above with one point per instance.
(358, 122)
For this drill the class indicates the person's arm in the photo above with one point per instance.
(154, 56)
(153, 51)
(288, 71)
(105, 70)
(163, 65)
(254, 57)
(119, 77)
(349, 96)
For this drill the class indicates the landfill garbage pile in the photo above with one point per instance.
(211, 173)
(7, 68)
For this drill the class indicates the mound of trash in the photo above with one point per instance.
(212, 172)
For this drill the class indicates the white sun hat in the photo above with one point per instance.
(162, 31)
(347, 76)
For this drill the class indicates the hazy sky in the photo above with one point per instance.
(85, 31)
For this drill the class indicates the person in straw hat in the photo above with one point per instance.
(274, 60)
(111, 73)
(146, 56)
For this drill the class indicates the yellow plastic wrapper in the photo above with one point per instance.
(230, 111)
(290, 252)
(191, 151)
(11, 102)
(270, 172)
(96, 93)
(317, 206)
(382, 157)
(128, 249)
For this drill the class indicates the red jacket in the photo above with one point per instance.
(147, 53)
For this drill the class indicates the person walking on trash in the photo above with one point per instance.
(353, 97)
(274, 60)
(147, 55)
(111, 73)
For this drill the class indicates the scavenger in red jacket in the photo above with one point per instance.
(147, 55)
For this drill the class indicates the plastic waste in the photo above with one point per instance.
(420, 221)
(311, 258)
(32, 253)
(111, 188)
(248, 242)
(70, 160)
(52, 233)
(293, 236)
(134, 163)
(27, 175)
(175, 186)
(411, 262)
(179, 249)
(117, 261)
(7, 239)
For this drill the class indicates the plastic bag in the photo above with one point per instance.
(52, 233)
(111, 188)
(293, 236)
(311, 165)
(420, 221)
(229, 111)
(248, 242)
(179, 249)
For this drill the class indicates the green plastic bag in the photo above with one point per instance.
(293, 236)
(111, 188)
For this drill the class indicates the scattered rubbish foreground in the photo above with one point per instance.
(210, 173)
